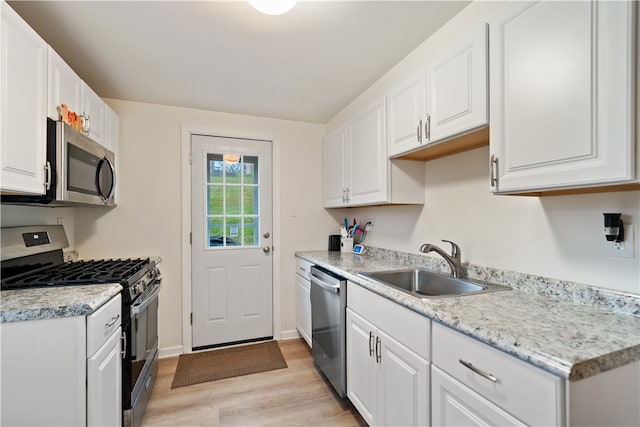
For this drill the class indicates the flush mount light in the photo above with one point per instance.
(273, 7)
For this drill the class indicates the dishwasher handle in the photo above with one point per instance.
(324, 285)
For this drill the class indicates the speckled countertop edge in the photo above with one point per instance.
(569, 339)
(50, 303)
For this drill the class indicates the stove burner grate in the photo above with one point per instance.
(80, 273)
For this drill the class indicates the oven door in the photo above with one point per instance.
(144, 349)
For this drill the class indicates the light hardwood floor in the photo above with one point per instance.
(295, 396)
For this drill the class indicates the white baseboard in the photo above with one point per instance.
(166, 352)
(290, 335)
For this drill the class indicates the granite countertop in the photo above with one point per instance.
(50, 303)
(568, 339)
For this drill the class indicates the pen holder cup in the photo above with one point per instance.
(346, 244)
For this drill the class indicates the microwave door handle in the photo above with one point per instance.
(105, 162)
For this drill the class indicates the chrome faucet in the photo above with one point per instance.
(453, 260)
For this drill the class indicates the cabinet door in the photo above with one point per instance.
(303, 308)
(23, 105)
(111, 130)
(65, 87)
(367, 171)
(93, 108)
(455, 405)
(403, 385)
(361, 365)
(405, 116)
(334, 167)
(104, 384)
(456, 85)
(562, 79)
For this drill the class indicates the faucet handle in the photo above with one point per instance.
(455, 249)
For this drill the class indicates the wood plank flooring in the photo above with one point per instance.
(296, 396)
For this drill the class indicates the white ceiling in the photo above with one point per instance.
(224, 56)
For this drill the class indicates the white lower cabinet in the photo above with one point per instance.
(529, 394)
(387, 373)
(454, 405)
(63, 371)
(303, 299)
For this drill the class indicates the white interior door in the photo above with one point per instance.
(231, 219)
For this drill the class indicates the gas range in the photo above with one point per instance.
(32, 257)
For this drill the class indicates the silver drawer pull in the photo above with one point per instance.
(113, 321)
(478, 371)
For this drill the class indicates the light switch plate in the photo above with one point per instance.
(623, 249)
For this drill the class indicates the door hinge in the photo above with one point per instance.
(190, 238)
(190, 157)
(191, 318)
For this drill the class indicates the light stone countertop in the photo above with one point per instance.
(54, 302)
(568, 339)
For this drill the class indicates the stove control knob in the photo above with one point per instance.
(138, 288)
(150, 274)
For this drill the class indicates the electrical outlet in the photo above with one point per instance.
(622, 249)
(371, 226)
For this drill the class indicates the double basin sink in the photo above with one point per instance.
(427, 284)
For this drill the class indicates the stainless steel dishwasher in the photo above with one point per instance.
(328, 335)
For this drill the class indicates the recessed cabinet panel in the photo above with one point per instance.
(94, 110)
(562, 85)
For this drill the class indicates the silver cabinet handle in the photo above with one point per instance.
(378, 349)
(370, 343)
(493, 170)
(347, 194)
(123, 352)
(480, 372)
(114, 319)
(427, 128)
(419, 131)
(47, 183)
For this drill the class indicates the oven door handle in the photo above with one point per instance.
(139, 308)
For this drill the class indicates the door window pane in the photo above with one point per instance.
(251, 231)
(233, 196)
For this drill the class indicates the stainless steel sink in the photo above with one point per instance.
(427, 284)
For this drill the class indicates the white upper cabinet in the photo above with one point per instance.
(456, 87)
(65, 87)
(94, 111)
(405, 116)
(445, 99)
(335, 163)
(23, 105)
(562, 94)
(357, 171)
(367, 155)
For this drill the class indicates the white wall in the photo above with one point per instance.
(147, 220)
(559, 237)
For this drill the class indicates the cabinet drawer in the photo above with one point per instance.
(303, 268)
(406, 326)
(526, 392)
(102, 324)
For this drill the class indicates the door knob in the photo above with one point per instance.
(266, 235)
(266, 249)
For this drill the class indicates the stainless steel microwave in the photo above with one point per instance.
(79, 171)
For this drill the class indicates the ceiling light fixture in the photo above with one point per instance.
(273, 7)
